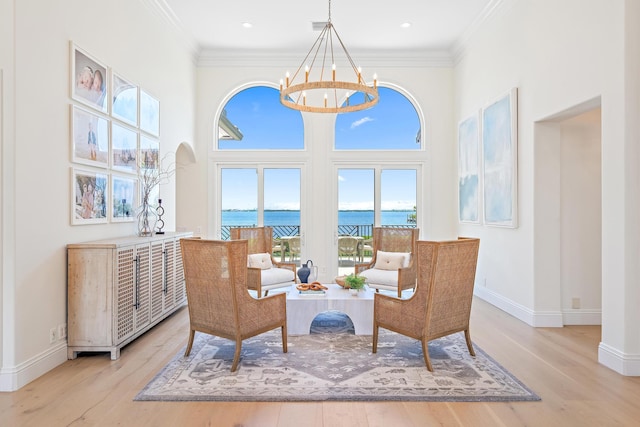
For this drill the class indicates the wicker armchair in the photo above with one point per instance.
(271, 274)
(401, 243)
(219, 304)
(348, 246)
(441, 304)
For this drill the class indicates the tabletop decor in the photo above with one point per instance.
(149, 179)
(354, 283)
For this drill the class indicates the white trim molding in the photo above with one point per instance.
(538, 319)
(625, 364)
(14, 378)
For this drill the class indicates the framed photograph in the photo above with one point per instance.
(149, 153)
(124, 100)
(469, 170)
(124, 148)
(149, 114)
(500, 160)
(89, 138)
(89, 80)
(90, 195)
(124, 201)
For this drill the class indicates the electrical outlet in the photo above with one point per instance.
(52, 335)
(575, 303)
(62, 330)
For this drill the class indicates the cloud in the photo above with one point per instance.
(361, 122)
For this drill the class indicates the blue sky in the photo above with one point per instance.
(391, 124)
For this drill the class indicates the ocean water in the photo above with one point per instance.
(272, 218)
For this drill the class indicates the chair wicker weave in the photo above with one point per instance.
(441, 304)
(219, 304)
(260, 242)
(348, 246)
(391, 239)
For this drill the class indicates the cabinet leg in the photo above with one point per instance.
(115, 353)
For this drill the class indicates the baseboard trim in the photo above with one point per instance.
(622, 363)
(14, 378)
(538, 319)
(582, 317)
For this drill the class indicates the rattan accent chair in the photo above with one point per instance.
(215, 273)
(396, 241)
(271, 274)
(441, 304)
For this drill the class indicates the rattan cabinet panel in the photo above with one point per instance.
(120, 288)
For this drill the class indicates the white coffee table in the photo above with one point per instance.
(302, 309)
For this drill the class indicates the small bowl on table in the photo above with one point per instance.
(340, 281)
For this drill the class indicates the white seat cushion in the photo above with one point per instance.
(381, 277)
(276, 275)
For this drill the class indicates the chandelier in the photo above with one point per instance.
(321, 91)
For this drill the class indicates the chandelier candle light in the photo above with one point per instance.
(327, 95)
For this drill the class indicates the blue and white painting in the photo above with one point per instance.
(469, 170)
(499, 160)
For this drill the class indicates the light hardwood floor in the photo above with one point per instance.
(559, 364)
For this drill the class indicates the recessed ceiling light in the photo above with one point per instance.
(405, 25)
(247, 24)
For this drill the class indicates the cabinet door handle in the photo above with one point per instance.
(164, 273)
(137, 282)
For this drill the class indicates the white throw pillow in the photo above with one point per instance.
(261, 261)
(391, 260)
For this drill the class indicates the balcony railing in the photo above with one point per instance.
(362, 230)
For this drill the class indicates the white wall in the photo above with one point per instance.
(560, 54)
(126, 36)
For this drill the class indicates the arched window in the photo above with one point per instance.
(391, 124)
(254, 119)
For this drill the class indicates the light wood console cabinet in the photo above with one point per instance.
(120, 288)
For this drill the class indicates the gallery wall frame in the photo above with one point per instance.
(90, 190)
(124, 105)
(115, 126)
(89, 80)
(124, 148)
(149, 153)
(149, 114)
(125, 198)
(469, 176)
(500, 161)
(89, 138)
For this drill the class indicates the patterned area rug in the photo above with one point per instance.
(334, 364)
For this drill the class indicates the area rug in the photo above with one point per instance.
(333, 364)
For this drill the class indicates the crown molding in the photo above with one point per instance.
(276, 58)
(460, 46)
(161, 9)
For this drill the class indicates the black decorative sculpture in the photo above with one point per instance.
(160, 223)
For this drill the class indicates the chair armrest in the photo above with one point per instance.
(364, 266)
(254, 279)
(254, 275)
(407, 276)
(270, 309)
(288, 265)
(385, 302)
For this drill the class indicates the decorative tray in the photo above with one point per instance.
(312, 293)
(315, 288)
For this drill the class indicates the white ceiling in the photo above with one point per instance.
(363, 25)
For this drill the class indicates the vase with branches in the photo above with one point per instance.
(150, 178)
